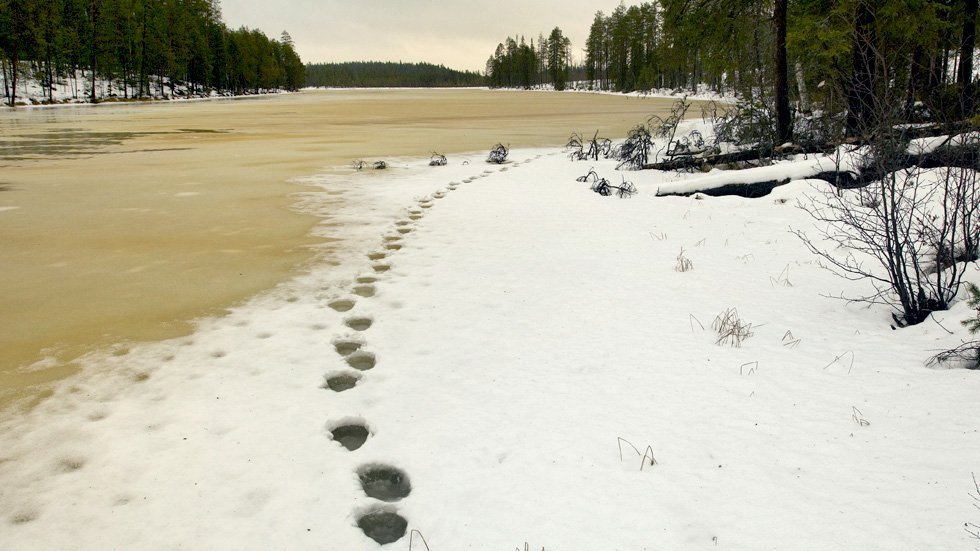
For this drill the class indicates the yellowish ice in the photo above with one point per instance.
(124, 222)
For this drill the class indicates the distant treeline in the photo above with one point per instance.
(139, 45)
(375, 74)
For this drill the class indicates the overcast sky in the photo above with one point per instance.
(460, 34)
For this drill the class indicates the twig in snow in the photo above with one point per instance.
(781, 279)
(751, 371)
(933, 318)
(411, 540)
(620, 441)
(684, 263)
(661, 237)
(971, 528)
(838, 358)
(859, 417)
(789, 340)
(647, 455)
(691, 319)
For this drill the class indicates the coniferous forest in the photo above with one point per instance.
(374, 74)
(129, 49)
(521, 65)
(853, 56)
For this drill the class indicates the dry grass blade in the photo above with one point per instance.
(751, 371)
(692, 319)
(684, 264)
(411, 540)
(731, 329)
(858, 417)
(646, 458)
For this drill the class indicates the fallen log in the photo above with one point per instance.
(699, 163)
(749, 191)
(961, 157)
(762, 153)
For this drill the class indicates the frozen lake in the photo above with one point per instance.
(122, 223)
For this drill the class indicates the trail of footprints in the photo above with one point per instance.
(384, 483)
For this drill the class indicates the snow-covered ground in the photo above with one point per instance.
(533, 345)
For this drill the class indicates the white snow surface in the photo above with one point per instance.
(523, 328)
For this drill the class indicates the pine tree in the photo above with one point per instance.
(558, 52)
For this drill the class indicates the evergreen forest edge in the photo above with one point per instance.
(133, 49)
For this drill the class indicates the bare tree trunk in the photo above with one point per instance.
(916, 78)
(784, 130)
(13, 78)
(965, 74)
(93, 6)
(50, 74)
(860, 97)
(801, 87)
(3, 72)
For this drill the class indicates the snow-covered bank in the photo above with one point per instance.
(520, 326)
(76, 90)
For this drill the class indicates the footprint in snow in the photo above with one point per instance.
(365, 291)
(341, 382)
(384, 482)
(362, 361)
(359, 324)
(346, 348)
(351, 434)
(343, 305)
(383, 526)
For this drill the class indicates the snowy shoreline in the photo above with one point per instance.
(516, 326)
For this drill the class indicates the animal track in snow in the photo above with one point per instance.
(384, 482)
